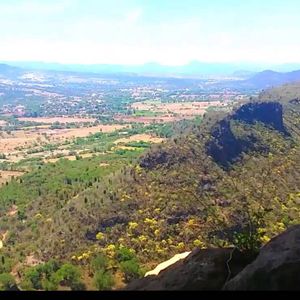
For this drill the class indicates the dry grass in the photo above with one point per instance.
(27, 138)
(6, 176)
(170, 111)
(104, 165)
(140, 138)
(147, 120)
(182, 108)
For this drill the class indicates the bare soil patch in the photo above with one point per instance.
(104, 165)
(13, 211)
(31, 261)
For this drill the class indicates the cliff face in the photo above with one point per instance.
(277, 267)
(225, 146)
(268, 113)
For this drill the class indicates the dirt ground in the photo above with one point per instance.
(6, 176)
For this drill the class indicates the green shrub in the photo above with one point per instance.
(49, 268)
(99, 262)
(131, 269)
(49, 285)
(68, 275)
(103, 280)
(7, 282)
(26, 285)
(125, 254)
(33, 276)
(249, 239)
(5, 265)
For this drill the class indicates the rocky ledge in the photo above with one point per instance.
(276, 267)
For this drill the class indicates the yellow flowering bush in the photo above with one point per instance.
(180, 246)
(142, 238)
(100, 236)
(198, 243)
(265, 239)
(133, 225)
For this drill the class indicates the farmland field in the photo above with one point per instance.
(62, 120)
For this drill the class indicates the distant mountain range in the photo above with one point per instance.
(192, 69)
(250, 79)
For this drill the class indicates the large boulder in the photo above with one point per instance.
(202, 270)
(277, 266)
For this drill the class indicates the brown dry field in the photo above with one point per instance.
(149, 120)
(69, 157)
(6, 176)
(171, 111)
(54, 160)
(182, 108)
(26, 138)
(140, 137)
(65, 120)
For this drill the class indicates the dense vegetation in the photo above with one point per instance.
(98, 228)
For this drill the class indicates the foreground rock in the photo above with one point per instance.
(201, 270)
(276, 268)
(168, 263)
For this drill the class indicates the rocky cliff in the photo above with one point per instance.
(226, 145)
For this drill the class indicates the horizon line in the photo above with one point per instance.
(257, 63)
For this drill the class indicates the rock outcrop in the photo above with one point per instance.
(168, 263)
(277, 267)
(202, 270)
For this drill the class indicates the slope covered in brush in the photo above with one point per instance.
(179, 195)
(232, 180)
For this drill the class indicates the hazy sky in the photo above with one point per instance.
(172, 32)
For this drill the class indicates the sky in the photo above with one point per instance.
(132, 32)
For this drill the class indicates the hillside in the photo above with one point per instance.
(268, 78)
(230, 181)
(9, 71)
